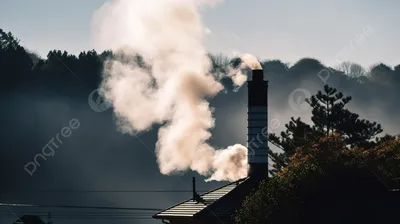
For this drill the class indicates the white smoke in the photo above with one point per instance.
(168, 34)
(237, 74)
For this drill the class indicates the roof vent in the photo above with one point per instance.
(196, 197)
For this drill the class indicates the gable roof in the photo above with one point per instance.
(219, 203)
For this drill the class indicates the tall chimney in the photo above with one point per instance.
(257, 124)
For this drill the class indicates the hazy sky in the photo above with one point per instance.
(286, 30)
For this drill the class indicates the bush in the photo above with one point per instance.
(328, 183)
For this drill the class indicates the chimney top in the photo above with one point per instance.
(258, 75)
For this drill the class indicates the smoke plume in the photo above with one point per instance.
(174, 89)
(237, 74)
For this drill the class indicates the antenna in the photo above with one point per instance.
(49, 218)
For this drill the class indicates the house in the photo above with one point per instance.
(220, 205)
(29, 219)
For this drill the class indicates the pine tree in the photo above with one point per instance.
(329, 116)
(297, 134)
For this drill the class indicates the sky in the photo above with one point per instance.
(286, 30)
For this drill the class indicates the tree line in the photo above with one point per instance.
(60, 71)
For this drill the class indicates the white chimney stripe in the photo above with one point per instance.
(261, 150)
(258, 159)
(255, 145)
(252, 155)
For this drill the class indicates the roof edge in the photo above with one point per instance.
(157, 216)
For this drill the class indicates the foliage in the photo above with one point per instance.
(272, 67)
(306, 65)
(60, 72)
(381, 73)
(321, 180)
(15, 63)
(353, 70)
(329, 115)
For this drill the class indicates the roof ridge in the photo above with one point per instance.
(235, 182)
(225, 185)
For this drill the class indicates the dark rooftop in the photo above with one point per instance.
(29, 219)
(220, 203)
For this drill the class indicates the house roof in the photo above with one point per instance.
(29, 219)
(221, 202)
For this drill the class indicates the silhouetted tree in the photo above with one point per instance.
(91, 66)
(219, 64)
(396, 74)
(275, 67)
(35, 58)
(7, 40)
(329, 183)
(329, 115)
(293, 137)
(15, 63)
(353, 70)
(306, 66)
(381, 74)
(60, 72)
